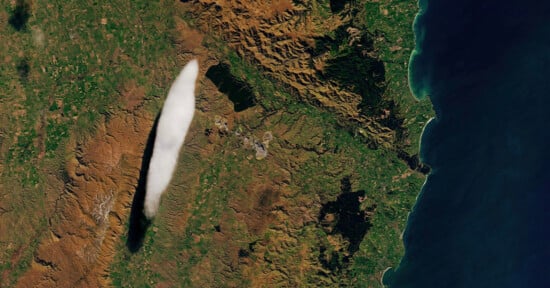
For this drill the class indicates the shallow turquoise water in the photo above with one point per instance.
(483, 217)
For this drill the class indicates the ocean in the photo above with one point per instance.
(482, 218)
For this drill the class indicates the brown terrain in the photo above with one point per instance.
(279, 36)
(263, 226)
(102, 172)
(89, 215)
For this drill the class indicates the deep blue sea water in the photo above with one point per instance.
(483, 216)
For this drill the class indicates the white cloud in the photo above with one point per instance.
(175, 119)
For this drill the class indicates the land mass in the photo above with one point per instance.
(299, 168)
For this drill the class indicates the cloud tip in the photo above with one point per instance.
(149, 214)
(150, 210)
(191, 68)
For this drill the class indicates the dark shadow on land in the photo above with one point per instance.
(23, 69)
(338, 5)
(20, 15)
(413, 161)
(349, 220)
(138, 222)
(345, 217)
(238, 91)
(368, 77)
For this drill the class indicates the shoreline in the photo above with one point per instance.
(418, 93)
(417, 52)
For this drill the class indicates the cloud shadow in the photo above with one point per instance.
(138, 222)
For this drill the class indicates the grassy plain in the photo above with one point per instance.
(66, 65)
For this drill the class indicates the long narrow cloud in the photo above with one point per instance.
(175, 119)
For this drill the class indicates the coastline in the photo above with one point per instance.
(487, 148)
(420, 91)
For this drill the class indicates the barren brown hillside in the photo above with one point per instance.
(292, 173)
(283, 38)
